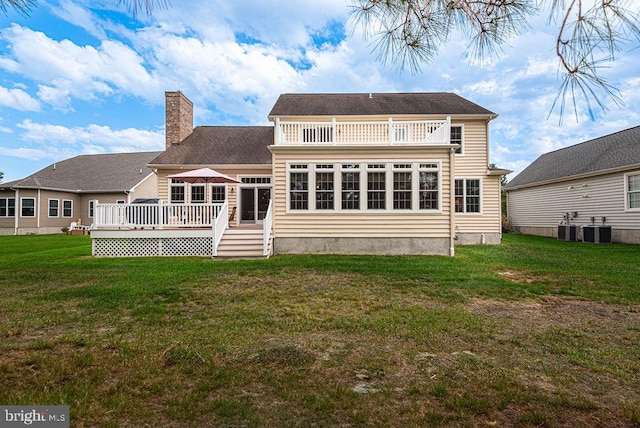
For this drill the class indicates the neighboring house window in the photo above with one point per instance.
(456, 137)
(27, 207)
(54, 207)
(325, 194)
(467, 195)
(350, 187)
(317, 134)
(376, 187)
(633, 191)
(176, 192)
(7, 207)
(197, 194)
(402, 189)
(428, 186)
(298, 187)
(120, 202)
(67, 208)
(92, 207)
(218, 193)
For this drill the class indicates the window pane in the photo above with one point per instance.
(299, 191)
(11, 207)
(67, 208)
(634, 200)
(218, 194)
(456, 137)
(197, 194)
(473, 196)
(177, 194)
(634, 183)
(350, 190)
(376, 187)
(324, 190)
(3, 207)
(53, 208)
(402, 190)
(428, 190)
(28, 208)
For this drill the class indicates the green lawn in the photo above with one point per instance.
(535, 332)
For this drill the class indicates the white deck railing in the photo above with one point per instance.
(221, 223)
(266, 230)
(156, 215)
(379, 132)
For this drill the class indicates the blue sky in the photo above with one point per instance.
(85, 77)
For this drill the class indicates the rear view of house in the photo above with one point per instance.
(594, 183)
(334, 173)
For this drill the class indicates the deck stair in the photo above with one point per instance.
(241, 242)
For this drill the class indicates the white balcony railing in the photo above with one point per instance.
(379, 132)
(156, 215)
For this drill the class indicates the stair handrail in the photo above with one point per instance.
(220, 224)
(266, 229)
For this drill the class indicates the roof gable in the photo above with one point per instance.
(221, 145)
(612, 151)
(91, 173)
(426, 103)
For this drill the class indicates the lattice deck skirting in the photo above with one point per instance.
(149, 247)
(151, 243)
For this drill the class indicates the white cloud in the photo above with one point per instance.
(92, 138)
(18, 99)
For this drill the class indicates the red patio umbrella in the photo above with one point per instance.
(203, 175)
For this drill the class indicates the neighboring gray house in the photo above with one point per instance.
(66, 191)
(596, 182)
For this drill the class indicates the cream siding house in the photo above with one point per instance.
(68, 191)
(596, 183)
(334, 173)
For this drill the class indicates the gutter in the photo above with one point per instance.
(452, 202)
(574, 177)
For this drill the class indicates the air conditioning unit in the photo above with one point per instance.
(567, 232)
(596, 234)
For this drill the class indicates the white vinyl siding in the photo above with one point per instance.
(597, 197)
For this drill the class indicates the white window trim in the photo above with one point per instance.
(35, 207)
(179, 184)
(70, 215)
(91, 208)
(389, 170)
(7, 207)
(49, 208)
(626, 192)
(463, 145)
(453, 196)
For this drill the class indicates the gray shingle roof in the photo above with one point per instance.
(616, 150)
(221, 145)
(437, 103)
(90, 173)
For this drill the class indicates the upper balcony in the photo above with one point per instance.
(389, 132)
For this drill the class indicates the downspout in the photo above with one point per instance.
(16, 211)
(452, 202)
(37, 208)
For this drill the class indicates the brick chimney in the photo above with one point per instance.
(178, 117)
